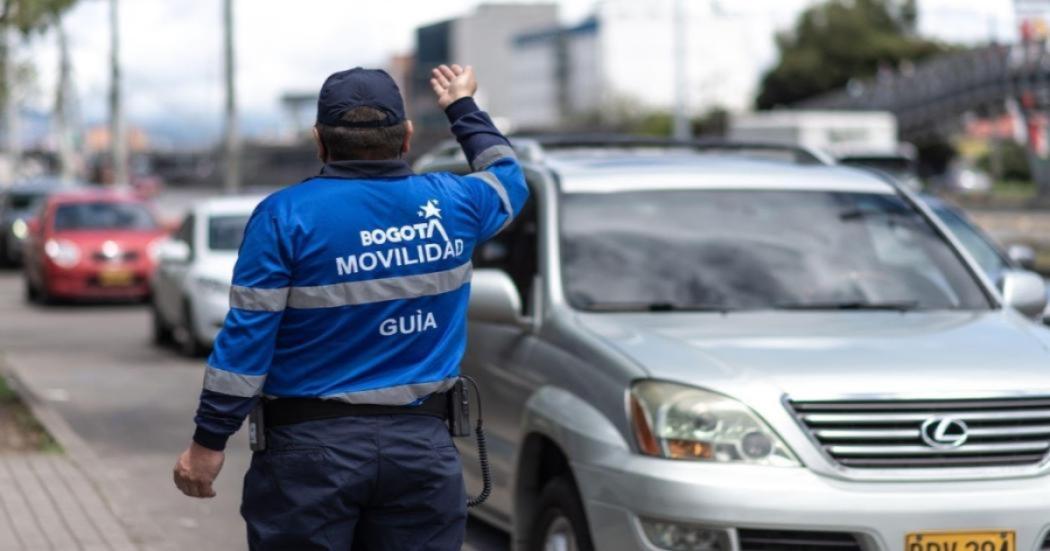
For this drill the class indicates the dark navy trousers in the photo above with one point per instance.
(391, 482)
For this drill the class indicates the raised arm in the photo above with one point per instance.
(497, 184)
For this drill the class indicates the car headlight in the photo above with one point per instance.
(63, 253)
(682, 422)
(153, 249)
(19, 229)
(213, 286)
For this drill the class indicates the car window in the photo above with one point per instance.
(18, 201)
(514, 250)
(103, 216)
(979, 247)
(226, 232)
(757, 249)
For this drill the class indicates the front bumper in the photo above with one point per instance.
(619, 492)
(86, 283)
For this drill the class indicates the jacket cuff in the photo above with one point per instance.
(460, 108)
(210, 440)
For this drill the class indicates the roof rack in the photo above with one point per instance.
(537, 144)
(534, 147)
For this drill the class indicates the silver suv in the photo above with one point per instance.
(709, 348)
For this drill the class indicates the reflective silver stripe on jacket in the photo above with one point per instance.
(232, 384)
(254, 298)
(379, 290)
(493, 182)
(394, 395)
(491, 155)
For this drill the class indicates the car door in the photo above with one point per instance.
(498, 355)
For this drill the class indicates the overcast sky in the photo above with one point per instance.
(172, 48)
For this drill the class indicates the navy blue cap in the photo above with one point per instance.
(359, 87)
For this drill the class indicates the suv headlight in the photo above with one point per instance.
(63, 253)
(681, 422)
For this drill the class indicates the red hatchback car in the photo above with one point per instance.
(91, 245)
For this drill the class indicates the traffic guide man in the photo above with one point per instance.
(348, 320)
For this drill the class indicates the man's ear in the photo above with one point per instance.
(322, 153)
(406, 145)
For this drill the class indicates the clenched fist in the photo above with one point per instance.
(453, 83)
(196, 470)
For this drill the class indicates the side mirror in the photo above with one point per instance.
(1023, 255)
(1025, 291)
(494, 298)
(173, 251)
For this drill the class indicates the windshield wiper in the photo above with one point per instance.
(899, 306)
(654, 307)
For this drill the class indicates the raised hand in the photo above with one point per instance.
(453, 83)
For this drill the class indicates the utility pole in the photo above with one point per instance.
(11, 126)
(64, 130)
(233, 140)
(117, 134)
(683, 129)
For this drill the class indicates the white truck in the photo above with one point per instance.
(860, 138)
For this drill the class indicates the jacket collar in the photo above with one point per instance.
(360, 170)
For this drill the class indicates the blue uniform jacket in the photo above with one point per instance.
(353, 285)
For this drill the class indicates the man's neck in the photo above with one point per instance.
(365, 169)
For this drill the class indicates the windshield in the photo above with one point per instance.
(225, 232)
(18, 201)
(983, 251)
(757, 249)
(103, 216)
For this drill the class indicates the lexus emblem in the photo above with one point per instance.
(944, 432)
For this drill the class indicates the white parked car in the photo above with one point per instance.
(191, 285)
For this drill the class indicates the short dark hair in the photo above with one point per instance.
(349, 144)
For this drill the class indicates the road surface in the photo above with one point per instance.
(132, 404)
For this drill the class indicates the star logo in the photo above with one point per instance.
(430, 210)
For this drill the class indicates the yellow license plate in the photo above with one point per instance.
(115, 278)
(961, 541)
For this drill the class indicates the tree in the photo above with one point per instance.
(25, 17)
(840, 40)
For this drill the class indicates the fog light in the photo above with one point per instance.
(756, 445)
(685, 537)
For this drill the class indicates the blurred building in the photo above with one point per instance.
(401, 68)
(620, 61)
(484, 39)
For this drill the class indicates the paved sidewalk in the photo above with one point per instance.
(47, 503)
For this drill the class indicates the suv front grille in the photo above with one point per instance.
(795, 540)
(1011, 432)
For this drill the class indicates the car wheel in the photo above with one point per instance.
(162, 333)
(32, 294)
(560, 524)
(38, 294)
(189, 342)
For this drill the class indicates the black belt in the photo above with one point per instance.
(288, 411)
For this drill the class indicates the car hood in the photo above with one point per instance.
(820, 355)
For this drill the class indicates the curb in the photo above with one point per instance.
(143, 533)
